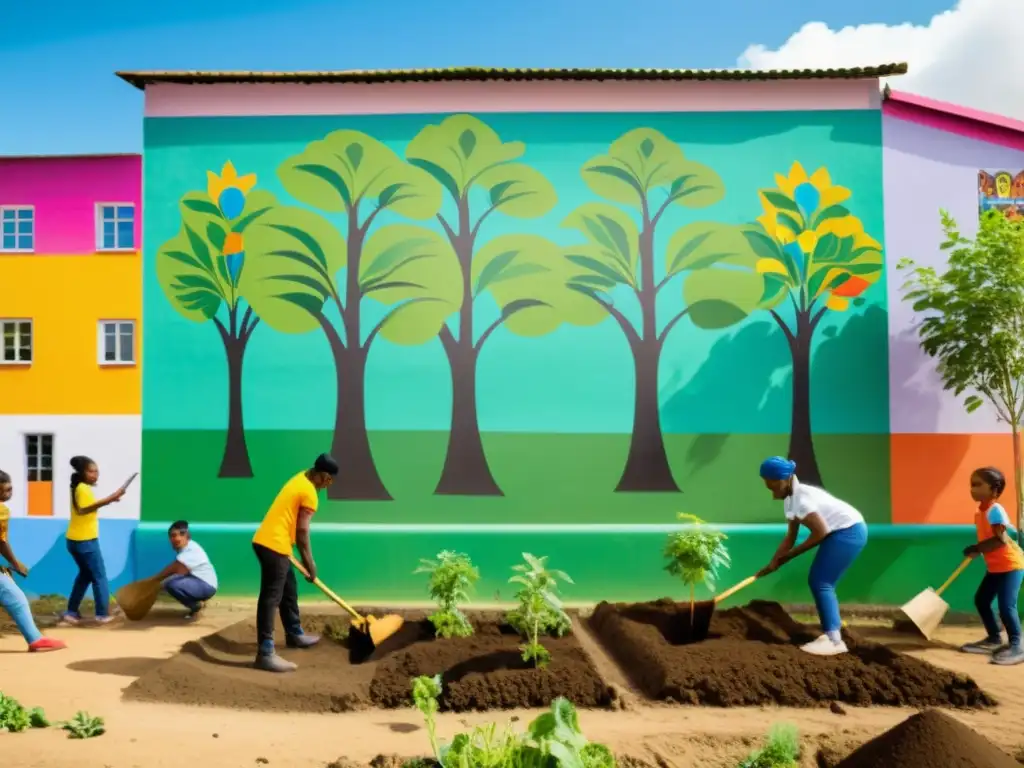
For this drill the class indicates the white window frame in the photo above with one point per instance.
(16, 207)
(101, 332)
(32, 340)
(99, 227)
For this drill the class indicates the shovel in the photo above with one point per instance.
(926, 611)
(700, 619)
(365, 632)
(136, 599)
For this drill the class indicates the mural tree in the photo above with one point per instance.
(524, 274)
(647, 173)
(201, 271)
(309, 275)
(811, 256)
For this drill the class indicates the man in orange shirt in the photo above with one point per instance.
(286, 525)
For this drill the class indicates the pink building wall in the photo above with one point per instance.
(65, 191)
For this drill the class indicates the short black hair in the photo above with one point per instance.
(4, 478)
(993, 478)
(325, 463)
(178, 525)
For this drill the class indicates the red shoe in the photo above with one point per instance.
(44, 644)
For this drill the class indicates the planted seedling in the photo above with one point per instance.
(14, 718)
(781, 751)
(540, 609)
(84, 726)
(695, 555)
(425, 692)
(452, 576)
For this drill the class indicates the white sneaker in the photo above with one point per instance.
(824, 646)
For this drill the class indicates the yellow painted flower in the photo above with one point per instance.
(845, 226)
(228, 190)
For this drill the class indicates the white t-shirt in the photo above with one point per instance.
(806, 499)
(194, 557)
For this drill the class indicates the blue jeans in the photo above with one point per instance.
(91, 572)
(16, 604)
(188, 590)
(836, 553)
(1005, 589)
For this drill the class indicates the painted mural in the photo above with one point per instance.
(515, 318)
(1003, 191)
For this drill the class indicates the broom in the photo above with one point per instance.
(136, 599)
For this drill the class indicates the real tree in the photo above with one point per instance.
(973, 321)
(695, 555)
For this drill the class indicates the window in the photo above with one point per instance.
(17, 228)
(17, 342)
(117, 342)
(39, 457)
(115, 227)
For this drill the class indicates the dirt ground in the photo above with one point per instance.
(101, 662)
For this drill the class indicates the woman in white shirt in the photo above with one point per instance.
(836, 528)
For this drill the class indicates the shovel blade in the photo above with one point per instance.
(926, 612)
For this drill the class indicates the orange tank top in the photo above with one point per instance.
(1006, 558)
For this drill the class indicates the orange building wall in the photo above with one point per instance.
(66, 297)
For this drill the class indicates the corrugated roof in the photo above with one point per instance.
(141, 79)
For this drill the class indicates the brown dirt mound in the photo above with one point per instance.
(485, 671)
(752, 657)
(926, 740)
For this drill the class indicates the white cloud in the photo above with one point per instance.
(971, 55)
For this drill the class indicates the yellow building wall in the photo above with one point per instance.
(66, 297)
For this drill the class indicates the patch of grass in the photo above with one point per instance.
(782, 749)
(84, 726)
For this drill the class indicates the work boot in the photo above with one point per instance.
(302, 641)
(1009, 657)
(271, 662)
(985, 647)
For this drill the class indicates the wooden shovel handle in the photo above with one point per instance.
(734, 589)
(326, 590)
(959, 569)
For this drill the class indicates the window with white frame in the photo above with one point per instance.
(117, 342)
(115, 227)
(17, 341)
(17, 228)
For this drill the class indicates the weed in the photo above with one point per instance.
(336, 630)
(84, 726)
(781, 751)
(452, 576)
(14, 718)
(695, 555)
(540, 608)
(425, 692)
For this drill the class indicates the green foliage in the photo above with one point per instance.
(781, 751)
(696, 554)
(540, 609)
(14, 718)
(452, 576)
(552, 740)
(84, 726)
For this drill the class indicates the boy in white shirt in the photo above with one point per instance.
(191, 578)
(836, 528)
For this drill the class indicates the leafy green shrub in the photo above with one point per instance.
(540, 608)
(781, 751)
(552, 740)
(452, 576)
(84, 726)
(695, 555)
(14, 718)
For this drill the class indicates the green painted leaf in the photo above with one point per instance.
(704, 244)
(832, 212)
(612, 183)
(201, 205)
(315, 285)
(764, 247)
(402, 262)
(613, 236)
(718, 298)
(646, 148)
(598, 267)
(354, 153)
(242, 224)
(307, 302)
(328, 176)
(439, 174)
(387, 194)
(192, 290)
(467, 142)
(792, 223)
(781, 201)
(216, 235)
(713, 314)
(524, 191)
(492, 269)
(776, 287)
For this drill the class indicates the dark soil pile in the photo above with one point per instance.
(485, 671)
(752, 657)
(927, 740)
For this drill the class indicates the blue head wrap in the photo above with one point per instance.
(777, 468)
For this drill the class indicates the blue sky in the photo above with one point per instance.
(57, 59)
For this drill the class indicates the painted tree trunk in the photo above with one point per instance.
(235, 462)
(358, 479)
(466, 471)
(647, 467)
(801, 439)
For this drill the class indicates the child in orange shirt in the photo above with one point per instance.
(1004, 561)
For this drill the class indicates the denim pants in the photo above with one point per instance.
(1005, 589)
(188, 590)
(91, 572)
(836, 553)
(16, 604)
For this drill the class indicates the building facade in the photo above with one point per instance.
(70, 374)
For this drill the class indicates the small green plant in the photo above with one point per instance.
(84, 726)
(781, 751)
(540, 609)
(425, 693)
(337, 631)
(452, 576)
(695, 555)
(14, 718)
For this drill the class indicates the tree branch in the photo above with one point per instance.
(447, 229)
(664, 207)
(621, 319)
(225, 335)
(790, 338)
(447, 340)
(484, 215)
(510, 309)
(670, 325)
(817, 317)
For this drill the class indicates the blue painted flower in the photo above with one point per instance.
(228, 190)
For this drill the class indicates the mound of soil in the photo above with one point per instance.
(485, 671)
(926, 740)
(752, 657)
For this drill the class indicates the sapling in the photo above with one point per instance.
(425, 692)
(695, 555)
(540, 608)
(84, 726)
(781, 751)
(452, 576)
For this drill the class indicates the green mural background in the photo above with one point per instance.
(514, 319)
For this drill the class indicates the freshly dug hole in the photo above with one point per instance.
(752, 657)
